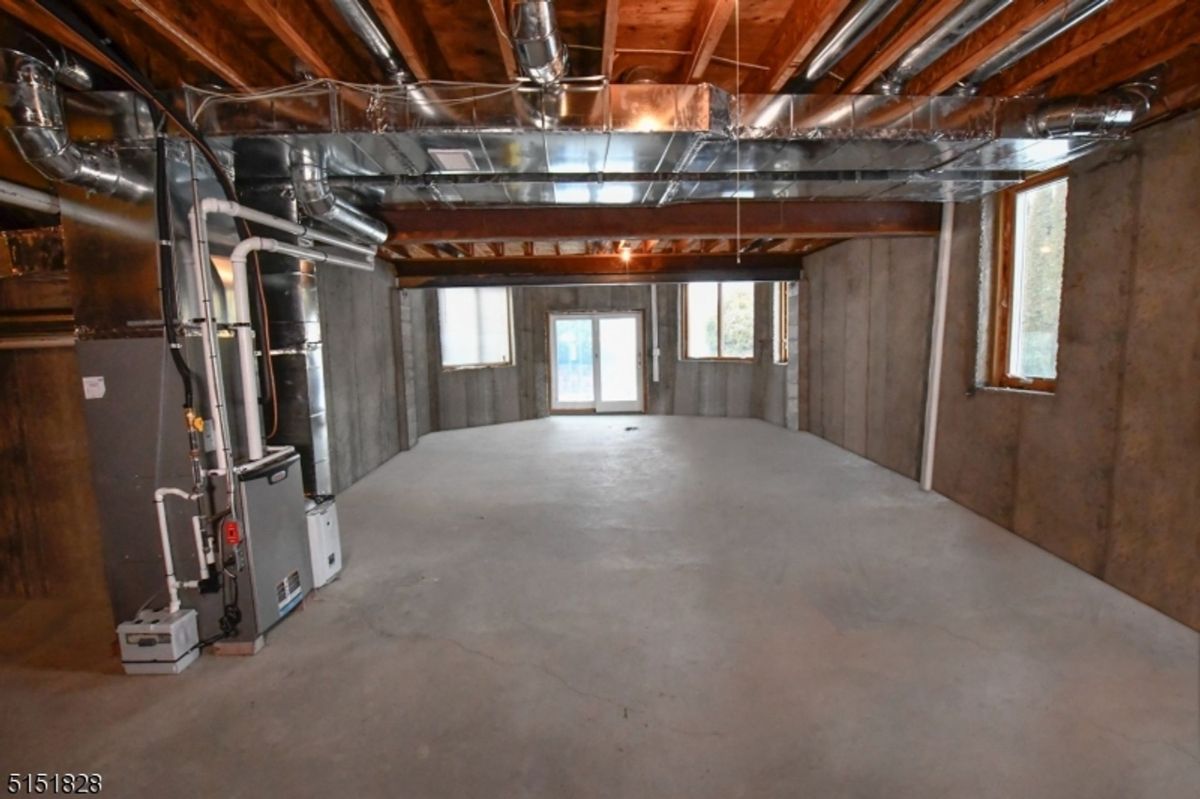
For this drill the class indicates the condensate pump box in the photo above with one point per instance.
(158, 642)
(324, 541)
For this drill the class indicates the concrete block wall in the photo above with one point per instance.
(472, 397)
(867, 316)
(1105, 472)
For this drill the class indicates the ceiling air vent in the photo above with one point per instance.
(454, 160)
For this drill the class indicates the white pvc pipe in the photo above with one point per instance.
(173, 585)
(937, 341)
(212, 358)
(198, 219)
(213, 205)
(245, 335)
(654, 349)
(202, 555)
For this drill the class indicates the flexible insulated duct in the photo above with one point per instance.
(317, 200)
(537, 43)
(40, 133)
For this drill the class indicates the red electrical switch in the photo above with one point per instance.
(233, 533)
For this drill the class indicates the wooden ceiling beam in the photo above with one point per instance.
(608, 41)
(1129, 56)
(549, 270)
(306, 35)
(797, 35)
(37, 19)
(411, 34)
(205, 38)
(1085, 40)
(816, 219)
(708, 25)
(930, 16)
(499, 13)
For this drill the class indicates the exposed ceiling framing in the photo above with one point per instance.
(245, 44)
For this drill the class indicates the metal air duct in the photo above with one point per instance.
(537, 43)
(40, 133)
(852, 28)
(319, 202)
(366, 27)
(965, 20)
(1072, 13)
(1101, 116)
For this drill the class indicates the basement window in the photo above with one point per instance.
(476, 327)
(1027, 290)
(780, 317)
(718, 321)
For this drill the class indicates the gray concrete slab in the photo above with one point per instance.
(694, 608)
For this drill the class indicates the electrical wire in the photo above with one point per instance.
(166, 266)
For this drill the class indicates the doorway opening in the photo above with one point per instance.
(596, 362)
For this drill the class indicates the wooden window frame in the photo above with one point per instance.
(683, 321)
(1002, 288)
(781, 345)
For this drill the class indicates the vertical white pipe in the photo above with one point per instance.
(201, 555)
(937, 341)
(654, 349)
(248, 369)
(165, 537)
(212, 364)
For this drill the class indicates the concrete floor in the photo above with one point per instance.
(689, 608)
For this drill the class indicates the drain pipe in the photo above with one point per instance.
(244, 333)
(173, 585)
(317, 200)
(936, 345)
(537, 42)
(40, 133)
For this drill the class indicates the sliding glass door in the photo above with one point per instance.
(596, 362)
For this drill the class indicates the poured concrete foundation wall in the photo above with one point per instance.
(473, 397)
(364, 370)
(1105, 472)
(869, 306)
